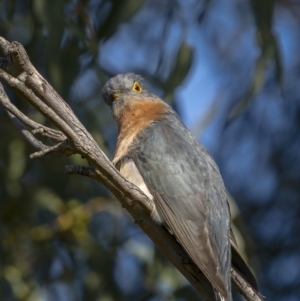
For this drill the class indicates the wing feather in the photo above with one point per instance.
(193, 235)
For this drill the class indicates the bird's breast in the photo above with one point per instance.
(137, 117)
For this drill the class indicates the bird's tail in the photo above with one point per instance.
(240, 266)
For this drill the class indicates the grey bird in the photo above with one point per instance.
(157, 153)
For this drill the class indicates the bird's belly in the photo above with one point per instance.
(130, 172)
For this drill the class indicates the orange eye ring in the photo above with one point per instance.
(137, 87)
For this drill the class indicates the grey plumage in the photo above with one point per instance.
(181, 178)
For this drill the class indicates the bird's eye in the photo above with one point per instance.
(136, 87)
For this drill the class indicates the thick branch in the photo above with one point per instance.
(23, 78)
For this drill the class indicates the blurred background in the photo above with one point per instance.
(230, 68)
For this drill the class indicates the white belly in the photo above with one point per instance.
(130, 172)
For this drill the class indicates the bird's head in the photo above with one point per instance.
(123, 91)
(123, 85)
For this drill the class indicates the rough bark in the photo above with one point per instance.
(19, 74)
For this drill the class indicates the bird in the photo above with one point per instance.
(156, 152)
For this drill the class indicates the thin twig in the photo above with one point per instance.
(63, 148)
(54, 135)
(29, 137)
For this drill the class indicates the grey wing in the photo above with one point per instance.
(189, 195)
(129, 170)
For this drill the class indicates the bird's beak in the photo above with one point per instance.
(115, 96)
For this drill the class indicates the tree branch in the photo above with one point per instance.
(29, 137)
(87, 171)
(20, 75)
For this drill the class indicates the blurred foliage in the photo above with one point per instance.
(65, 237)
